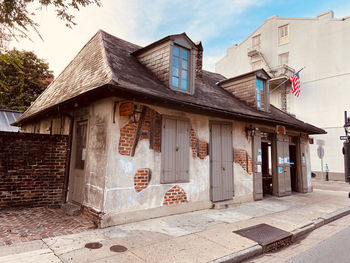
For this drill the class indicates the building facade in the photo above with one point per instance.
(153, 134)
(283, 46)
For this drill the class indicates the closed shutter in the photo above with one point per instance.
(168, 150)
(227, 161)
(175, 151)
(257, 166)
(182, 155)
(215, 155)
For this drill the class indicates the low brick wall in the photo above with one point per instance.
(32, 168)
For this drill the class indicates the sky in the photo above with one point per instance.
(217, 23)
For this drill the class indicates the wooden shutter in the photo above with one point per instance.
(175, 151)
(168, 150)
(215, 157)
(280, 165)
(257, 166)
(227, 161)
(182, 154)
(301, 160)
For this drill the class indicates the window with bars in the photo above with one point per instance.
(180, 68)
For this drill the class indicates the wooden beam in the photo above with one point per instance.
(139, 130)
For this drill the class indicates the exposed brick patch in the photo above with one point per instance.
(32, 168)
(194, 142)
(176, 195)
(142, 178)
(91, 213)
(151, 130)
(126, 108)
(127, 138)
(203, 149)
(242, 158)
(199, 148)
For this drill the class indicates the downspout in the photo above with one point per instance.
(69, 153)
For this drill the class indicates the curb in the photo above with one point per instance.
(240, 255)
(257, 250)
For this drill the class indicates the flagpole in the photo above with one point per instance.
(288, 78)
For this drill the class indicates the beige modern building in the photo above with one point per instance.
(283, 46)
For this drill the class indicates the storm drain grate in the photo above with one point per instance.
(118, 248)
(269, 237)
(93, 245)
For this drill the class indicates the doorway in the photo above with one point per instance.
(293, 167)
(221, 161)
(78, 164)
(266, 168)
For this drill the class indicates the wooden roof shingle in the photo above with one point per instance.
(109, 61)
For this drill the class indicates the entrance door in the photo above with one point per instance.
(283, 166)
(293, 168)
(221, 161)
(77, 167)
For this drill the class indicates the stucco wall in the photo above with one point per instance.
(121, 195)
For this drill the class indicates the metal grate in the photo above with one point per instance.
(269, 237)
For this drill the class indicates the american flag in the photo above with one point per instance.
(295, 84)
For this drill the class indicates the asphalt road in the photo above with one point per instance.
(334, 249)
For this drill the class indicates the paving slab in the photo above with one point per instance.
(190, 248)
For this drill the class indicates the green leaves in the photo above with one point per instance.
(23, 77)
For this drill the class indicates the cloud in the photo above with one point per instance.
(137, 21)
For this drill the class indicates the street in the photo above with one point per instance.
(329, 243)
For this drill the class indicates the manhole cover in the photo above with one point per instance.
(93, 245)
(118, 248)
(269, 237)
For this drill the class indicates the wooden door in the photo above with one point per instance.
(283, 166)
(78, 164)
(221, 161)
(257, 166)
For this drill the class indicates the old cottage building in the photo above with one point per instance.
(153, 134)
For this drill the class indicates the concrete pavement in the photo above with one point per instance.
(200, 236)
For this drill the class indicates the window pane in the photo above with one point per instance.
(258, 102)
(176, 67)
(184, 54)
(184, 64)
(184, 74)
(184, 84)
(176, 51)
(175, 82)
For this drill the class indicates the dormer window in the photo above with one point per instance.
(259, 93)
(180, 70)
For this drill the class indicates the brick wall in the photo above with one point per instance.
(141, 179)
(242, 158)
(176, 195)
(32, 168)
(199, 148)
(157, 61)
(150, 129)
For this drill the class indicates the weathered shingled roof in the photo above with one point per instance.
(107, 61)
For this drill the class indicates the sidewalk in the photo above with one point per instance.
(200, 236)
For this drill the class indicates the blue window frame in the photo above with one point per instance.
(259, 92)
(180, 70)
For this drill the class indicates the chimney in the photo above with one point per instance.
(199, 59)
